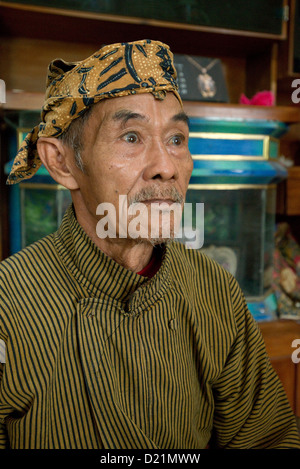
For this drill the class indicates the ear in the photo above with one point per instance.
(56, 158)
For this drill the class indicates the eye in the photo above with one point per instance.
(177, 139)
(131, 137)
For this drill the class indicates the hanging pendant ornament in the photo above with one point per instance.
(206, 84)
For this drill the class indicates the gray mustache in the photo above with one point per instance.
(157, 193)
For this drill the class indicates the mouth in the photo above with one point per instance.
(159, 201)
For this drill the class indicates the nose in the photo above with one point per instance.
(160, 164)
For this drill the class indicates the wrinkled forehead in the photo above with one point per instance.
(143, 107)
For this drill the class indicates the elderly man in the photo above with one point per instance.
(126, 341)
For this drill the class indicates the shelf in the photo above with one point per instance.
(248, 58)
(21, 20)
(287, 114)
(22, 100)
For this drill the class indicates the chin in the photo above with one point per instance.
(154, 241)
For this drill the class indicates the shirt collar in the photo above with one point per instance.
(101, 275)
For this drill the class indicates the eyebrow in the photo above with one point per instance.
(125, 114)
(181, 116)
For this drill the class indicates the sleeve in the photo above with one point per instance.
(251, 407)
(4, 406)
(3, 433)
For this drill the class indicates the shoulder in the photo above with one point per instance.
(196, 262)
(205, 280)
(25, 278)
(29, 262)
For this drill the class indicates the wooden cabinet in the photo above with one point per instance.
(248, 57)
(289, 193)
(258, 16)
(278, 337)
(289, 50)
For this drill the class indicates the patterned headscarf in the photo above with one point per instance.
(115, 70)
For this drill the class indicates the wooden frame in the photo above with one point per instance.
(145, 21)
(286, 48)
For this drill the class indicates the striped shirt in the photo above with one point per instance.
(100, 357)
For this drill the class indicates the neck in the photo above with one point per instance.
(132, 254)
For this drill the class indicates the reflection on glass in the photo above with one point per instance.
(239, 229)
(42, 210)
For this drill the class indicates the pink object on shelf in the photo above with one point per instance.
(262, 98)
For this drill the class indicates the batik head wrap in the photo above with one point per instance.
(113, 71)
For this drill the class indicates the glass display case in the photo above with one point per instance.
(42, 207)
(239, 228)
(36, 209)
(37, 205)
(235, 176)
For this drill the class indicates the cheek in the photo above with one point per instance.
(191, 165)
(114, 181)
(125, 176)
(186, 167)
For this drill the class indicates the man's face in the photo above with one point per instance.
(135, 146)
